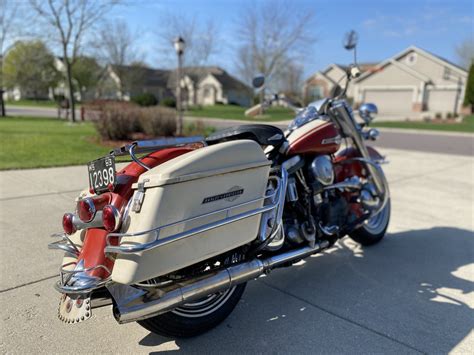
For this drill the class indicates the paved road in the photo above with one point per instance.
(412, 293)
(451, 143)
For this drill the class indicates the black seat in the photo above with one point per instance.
(261, 133)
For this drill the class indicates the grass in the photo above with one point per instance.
(32, 142)
(35, 103)
(467, 125)
(29, 142)
(231, 112)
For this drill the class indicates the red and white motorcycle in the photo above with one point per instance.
(171, 239)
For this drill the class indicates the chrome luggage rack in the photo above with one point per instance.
(148, 146)
(276, 199)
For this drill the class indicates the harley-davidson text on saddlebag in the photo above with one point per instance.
(202, 187)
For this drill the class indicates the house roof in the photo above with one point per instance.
(196, 74)
(150, 76)
(362, 66)
(394, 60)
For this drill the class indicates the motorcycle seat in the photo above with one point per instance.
(261, 133)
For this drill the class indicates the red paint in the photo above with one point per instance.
(95, 239)
(312, 142)
(356, 168)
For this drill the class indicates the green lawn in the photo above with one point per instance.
(35, 103)
(231, 112)
(29, 142)
(466, 126)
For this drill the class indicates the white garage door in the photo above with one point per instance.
(391, 102)
(441, 100)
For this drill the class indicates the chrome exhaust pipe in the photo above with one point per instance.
(134, 304)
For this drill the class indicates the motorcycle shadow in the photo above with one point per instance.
(412, 292)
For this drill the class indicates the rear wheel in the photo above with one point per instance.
(196, 317)
(373, 230)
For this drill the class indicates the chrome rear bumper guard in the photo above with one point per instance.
(82, 282)
(156, 242)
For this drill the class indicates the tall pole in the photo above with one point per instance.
(179, 103)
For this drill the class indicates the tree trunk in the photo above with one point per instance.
(72, 105)
(262, 99)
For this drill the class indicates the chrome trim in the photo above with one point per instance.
(85, 283)
(379, 175)
(96, 222)
(131, 151)
(134, 303)
(65, 244)
(278, 205)
(148, 146)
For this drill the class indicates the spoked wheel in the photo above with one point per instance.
(196, 317)
(373, 230)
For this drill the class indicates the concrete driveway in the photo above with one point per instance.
(412, 293)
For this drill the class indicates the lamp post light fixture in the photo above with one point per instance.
(179, 45)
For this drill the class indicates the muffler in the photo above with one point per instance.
(134, 304)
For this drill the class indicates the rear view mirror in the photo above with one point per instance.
(350, 40)
(258, 81)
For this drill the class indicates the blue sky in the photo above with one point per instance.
(385, 27)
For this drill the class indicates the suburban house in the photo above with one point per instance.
(199, 85)
(211, 85)
(412, 84)
(322, 83)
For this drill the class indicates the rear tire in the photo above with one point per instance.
(374, 229)
(197, 317)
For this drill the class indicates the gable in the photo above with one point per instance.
(390, 74)
(334, 73)
(433, 67)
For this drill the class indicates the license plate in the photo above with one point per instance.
(102, 175)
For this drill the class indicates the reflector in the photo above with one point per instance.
(110, 218)
(86, 210)
(68, 224)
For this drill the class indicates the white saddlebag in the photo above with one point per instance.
(205, 180)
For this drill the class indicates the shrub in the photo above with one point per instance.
(146, 99)
(438, 115)
(157, 121)
(117, 123)
(168, 102)
(449, 115)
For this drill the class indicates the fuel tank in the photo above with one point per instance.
(316, 137)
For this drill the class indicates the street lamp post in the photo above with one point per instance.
(179, 45)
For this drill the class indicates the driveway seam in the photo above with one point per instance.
(28, 283)
(348, 320)
(38, 195)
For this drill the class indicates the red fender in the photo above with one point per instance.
(95, 238)
(344, 171)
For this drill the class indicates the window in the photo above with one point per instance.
(315, 92)
(411, 58)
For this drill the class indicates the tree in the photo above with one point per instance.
(469, 96)
(465, 52)
(8, 12)
(30, 66)
(290, 80)
(69, 21)
(86, 72)
(200, 38)
(116, 46)
(271, 35)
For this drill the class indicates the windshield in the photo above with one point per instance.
(309, 114)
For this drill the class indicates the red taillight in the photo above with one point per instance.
(110, 218)
(86, 210)
(68, 224)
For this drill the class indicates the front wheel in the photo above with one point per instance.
(196, 317)
(373, 230)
